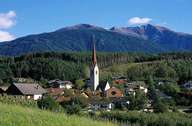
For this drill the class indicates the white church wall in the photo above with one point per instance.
(96, 77)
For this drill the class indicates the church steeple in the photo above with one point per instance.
(94, 70)
(94, 57)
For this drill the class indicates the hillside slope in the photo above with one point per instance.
(146, 38)
(78, 38)
(166, 38)
(12, 115)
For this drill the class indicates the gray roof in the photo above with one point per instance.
(30, 88)
(137, 83)
(59, 81)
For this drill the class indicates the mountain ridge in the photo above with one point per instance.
(146, 38)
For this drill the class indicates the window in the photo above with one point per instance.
(113, 93)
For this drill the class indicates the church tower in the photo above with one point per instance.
(94, 71)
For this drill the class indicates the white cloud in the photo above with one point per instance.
(7, 20)
(6, 36)
(139, 21)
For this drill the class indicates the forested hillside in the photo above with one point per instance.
(72, 66)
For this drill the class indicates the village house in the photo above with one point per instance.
(85, 95)
(89, 94)
(187, 85)
(60, 84)
(98, 103)
(101, 106)
(119, 80)
(120, 101)
(1, 91)
(26, 90)
(164, 81)
(113, 92)
(132, 87)
(162, 95)
(149, 107)
(58, 94)
(23, 80)
(55, 91)
(109, 103)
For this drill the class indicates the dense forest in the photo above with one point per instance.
(72, 66)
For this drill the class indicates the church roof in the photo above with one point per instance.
(94, 57)
(103, 86)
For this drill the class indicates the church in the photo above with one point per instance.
(94, 74)
(94, 71)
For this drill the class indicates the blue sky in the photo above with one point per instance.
(37, 16)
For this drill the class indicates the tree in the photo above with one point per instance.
(47, 102)
(79, 100)
(171, 89)
(160, 107)
(5, 74)
(164, 71)
(161, 70)
(44, 82)
(79, 84)
(115, 69)
(151, 87)
(133, 73)
(85, 71)
(138, 101)
(75, 104)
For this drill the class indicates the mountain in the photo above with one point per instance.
(77, 38)
(146, 38)
(166, 38)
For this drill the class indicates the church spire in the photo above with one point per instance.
(94, 73)
(94, 57)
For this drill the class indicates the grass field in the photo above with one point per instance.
(135, 118)
(13, 115)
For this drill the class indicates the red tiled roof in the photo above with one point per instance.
(62, 99)
(55, 91)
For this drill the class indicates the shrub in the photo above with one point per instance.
(47, 102)
(73, 109)
(68, 93)
(76, 100)
(160, 107)
(80, 100)
(79, 84)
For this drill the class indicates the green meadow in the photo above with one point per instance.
(14, 115)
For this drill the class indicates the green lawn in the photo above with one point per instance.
(13, 115)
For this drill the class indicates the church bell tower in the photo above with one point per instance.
(94, 71)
